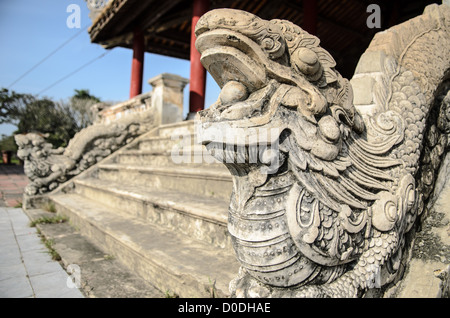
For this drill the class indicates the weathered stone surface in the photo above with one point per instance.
(168, 259)
(106, 114)
(116, 126)
(162, 214)
(427, 274)
(196, 215)
(168, 96)
(371, 62)
(364, 84)
(326, 200)
(47, 168)
(101, 276)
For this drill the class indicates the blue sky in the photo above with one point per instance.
(30, 30)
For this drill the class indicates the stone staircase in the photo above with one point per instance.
(165, 221)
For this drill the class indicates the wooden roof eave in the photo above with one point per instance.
(104, 18)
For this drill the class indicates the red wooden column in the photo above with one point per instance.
(310, 16)
(198, 73)
(137, 65)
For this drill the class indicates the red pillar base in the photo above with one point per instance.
(197, 83)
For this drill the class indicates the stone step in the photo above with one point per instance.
(169, 135)
(102, 276)
(169, 260)
(180, 128)
(166, 143)
(199, 217)
(192, 156)
(211, 182)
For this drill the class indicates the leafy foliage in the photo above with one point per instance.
(11, 104)
(58, 121)
(7, 143)
(81, 104)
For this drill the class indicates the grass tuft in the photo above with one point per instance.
(49, 220)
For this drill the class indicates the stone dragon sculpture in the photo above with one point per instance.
(47, 167)
(335, 214)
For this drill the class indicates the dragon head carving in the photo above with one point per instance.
(317, 209)
(267, 69)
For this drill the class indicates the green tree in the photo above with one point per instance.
(61, 121)
(31, 114)
(50, 118)
(7, 143)
(81, 104)
(84, 94)
(12, 105)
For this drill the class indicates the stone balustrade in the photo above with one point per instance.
(166, 96)
(115, 127)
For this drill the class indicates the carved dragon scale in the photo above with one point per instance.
(337, 214)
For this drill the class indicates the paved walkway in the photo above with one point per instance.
(12, 182)
(26, 268)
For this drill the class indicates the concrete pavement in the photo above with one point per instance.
(12, 182)
(26, 267)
